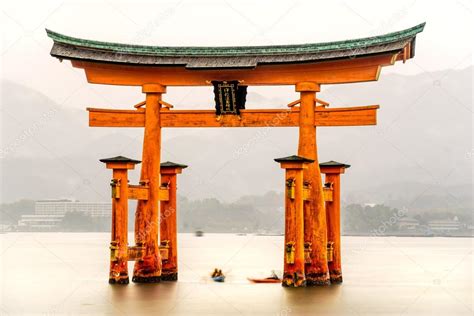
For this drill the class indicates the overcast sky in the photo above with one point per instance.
(446, 42)
(444, 45)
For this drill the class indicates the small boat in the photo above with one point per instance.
(199, 233)
(220, 278)
(266, 280)
(271, 279)
(217, 275)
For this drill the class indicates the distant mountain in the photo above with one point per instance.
(414, 196)
(423, 137)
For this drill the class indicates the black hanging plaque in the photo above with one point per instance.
(229, 97)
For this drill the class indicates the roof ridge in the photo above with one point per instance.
(240, 50)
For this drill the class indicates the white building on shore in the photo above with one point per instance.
(39, 222)
(61, 207)
(50, 213)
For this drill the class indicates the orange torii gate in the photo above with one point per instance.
(312, 229)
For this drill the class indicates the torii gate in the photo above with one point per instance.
(308, 222)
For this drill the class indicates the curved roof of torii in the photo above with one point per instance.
(66, 47)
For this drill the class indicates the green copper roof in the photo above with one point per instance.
(170, 164)
(237, 50)
(294, 158)
(68, 47)
(333, 163)
(119, 159)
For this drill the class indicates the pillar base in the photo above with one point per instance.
(169, 276)
(293, 280)
(147, 270)
(119, 280)
(317, 279)
(150, 279)
(335, 277)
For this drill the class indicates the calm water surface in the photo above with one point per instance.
(66, 273)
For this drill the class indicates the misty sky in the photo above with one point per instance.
(445, 43)
(423, 129)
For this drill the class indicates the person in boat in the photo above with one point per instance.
(273, 276)
(217, 275)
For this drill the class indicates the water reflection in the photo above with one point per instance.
(384, 277)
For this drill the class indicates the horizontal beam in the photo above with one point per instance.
(164, 194)
(138, 192)
(248, 118)
(327, 72)
(328, 194)
(351, 116)
(116, 118)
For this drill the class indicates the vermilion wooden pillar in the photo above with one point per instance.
(315, 235)
(148, 270)
(333, 170)
(119, 244)
(168, 225)
(293, 267)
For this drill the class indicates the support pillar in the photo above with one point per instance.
(148, 270)
(315, 233)
(168, 225)
(293, 266)
(119, 243)
(333, 171)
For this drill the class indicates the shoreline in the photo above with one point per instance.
(246, 234)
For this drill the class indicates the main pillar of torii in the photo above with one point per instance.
(315, 234)
(148, 270)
